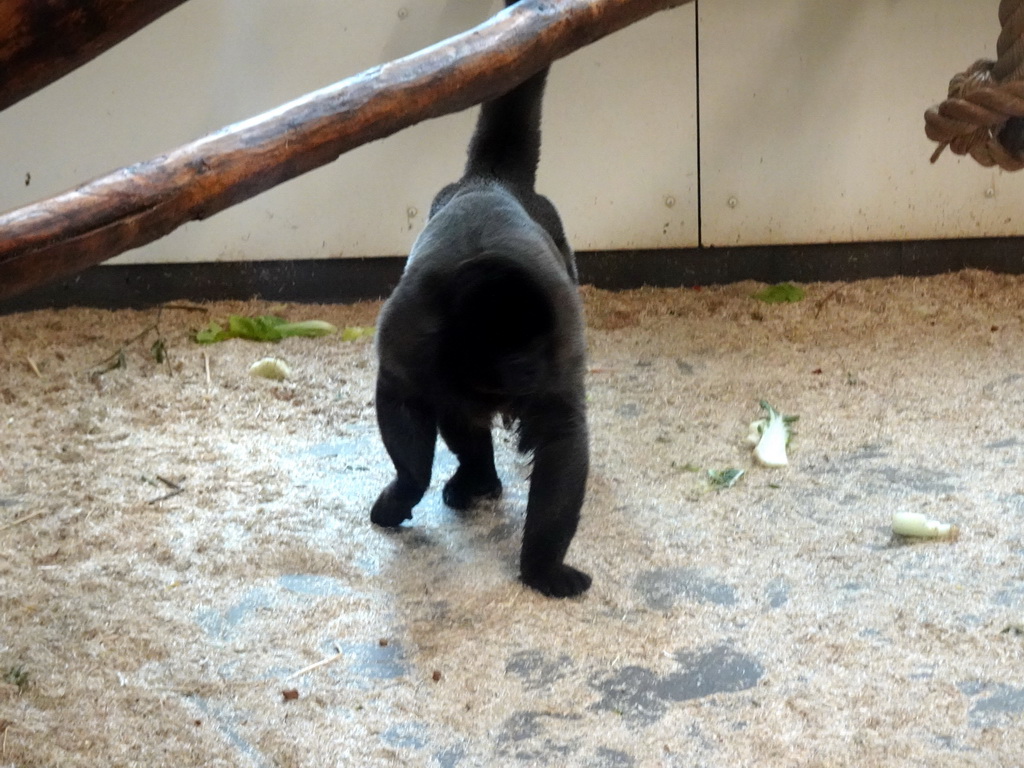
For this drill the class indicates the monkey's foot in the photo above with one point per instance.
(464, 489)
(560, 581)
(390, 509)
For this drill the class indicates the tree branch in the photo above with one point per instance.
(141, 203)
(43, 41)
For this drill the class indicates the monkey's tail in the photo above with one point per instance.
(497, 337)
(506, 142)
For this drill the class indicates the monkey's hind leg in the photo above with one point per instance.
(557, 487)
(408, 429)
(476, 478)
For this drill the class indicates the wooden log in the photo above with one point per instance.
(40, 42)
(133, 206)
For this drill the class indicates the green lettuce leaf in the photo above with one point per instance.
(783, 293)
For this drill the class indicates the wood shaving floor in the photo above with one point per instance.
(188, 576)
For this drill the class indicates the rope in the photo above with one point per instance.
(983, 115)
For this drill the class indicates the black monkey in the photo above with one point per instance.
(487, 320)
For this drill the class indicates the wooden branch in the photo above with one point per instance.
(40, 42)
(54, 238)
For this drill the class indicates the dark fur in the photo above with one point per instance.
(485, 320)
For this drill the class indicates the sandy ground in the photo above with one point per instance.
(256, 618)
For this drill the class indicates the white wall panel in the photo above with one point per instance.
(812, 124)
(620, 128)
(620, 157)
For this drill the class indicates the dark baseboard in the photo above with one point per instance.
(620, 270)
(347, 280)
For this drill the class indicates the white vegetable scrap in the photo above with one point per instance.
(770, 436)
(270, 368)
(921, 526)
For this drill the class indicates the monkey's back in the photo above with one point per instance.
(485, 307)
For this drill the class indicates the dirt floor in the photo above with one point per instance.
(188, 575)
